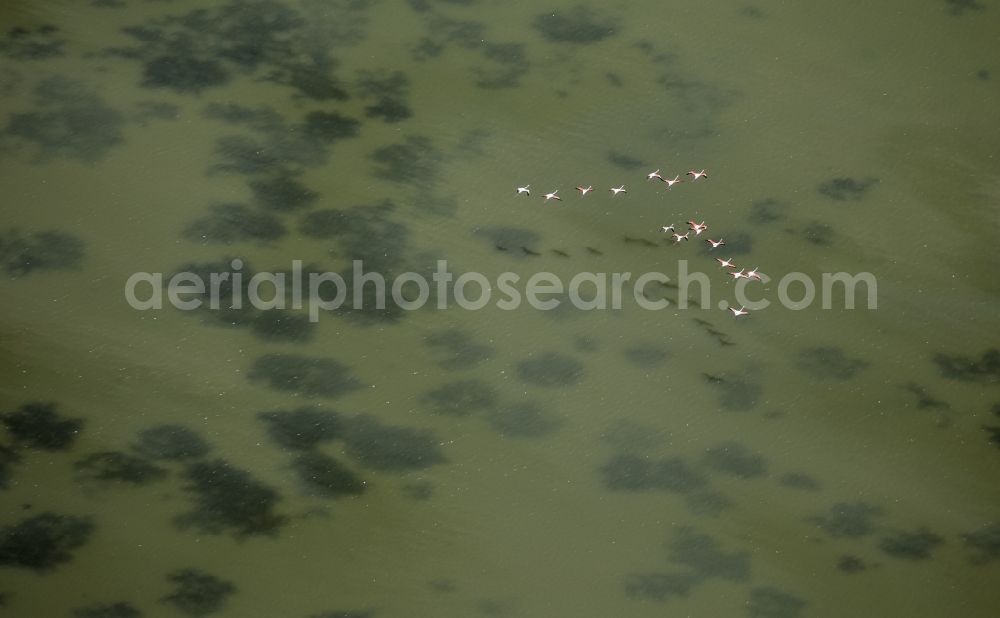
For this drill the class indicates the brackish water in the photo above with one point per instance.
(499, 463)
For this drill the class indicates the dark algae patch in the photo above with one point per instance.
(108, 610)
(771, 602)
(197, 593)
(303, 375)
(800, 481)
(845, 189)
(830, 363)
(170, 443)
(39, 43)
(21, 254)
(8, 459)
(736, 393)
(982, 370)
(958, 8)
(117, 466)
(627, 472)
(734, 459)
(984, 542)
(659, 586)
(851, 564)
(461, 398)
(768, 210)
(302, 428)
(700, 559)
(230, 223)
(282, 193)
(229, 500)
(325, 477)
(915, 545)
(273, 324)
(579, 24)
(44, 541)
(68, 120)
(848, 520)
(39, 425)
(523, 420)
(388, 92)
(550, 369)
(388, 448)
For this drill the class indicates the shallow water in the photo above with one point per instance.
(522, 463)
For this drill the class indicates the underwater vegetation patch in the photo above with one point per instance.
(266, 324)
(365, 231)
(117, 466)
(461, 398)
(957, 8)
(771, 602)
(388, 91)
(39, 425)
(169, 442)
(8, 459)
(68, 120)
(266, 39)
(627, 472)
(801, 481)
(845, 189)
(282, 193)
(829, 363)
(992, 430)
(229, 500)
(550, 369)
(523, 420)
(736, 393)
(702, 560)
(302, 428)
(580, 24)
(768, 210)
(415, 161)
(851, 564)
(183, 74)
(108, 610)
(197, 593)
(22, 254)
(915, 545)
(982, 370)
(659, 586)
(44, 541)
(628, 436)
(816, 233)
(303, 375)
(326, 477)
(229, 223)
(378, 446)
(458, 350)
(20, 43)
(704, 557)
(848, 519)
(736, 460)
(506, 64)
(985, 542)
(277, 148)
(146, 111)
(646, 355)
(624, 161)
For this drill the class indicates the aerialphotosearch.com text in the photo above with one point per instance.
(320, 292)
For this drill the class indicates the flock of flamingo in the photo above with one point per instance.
(694, 226)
